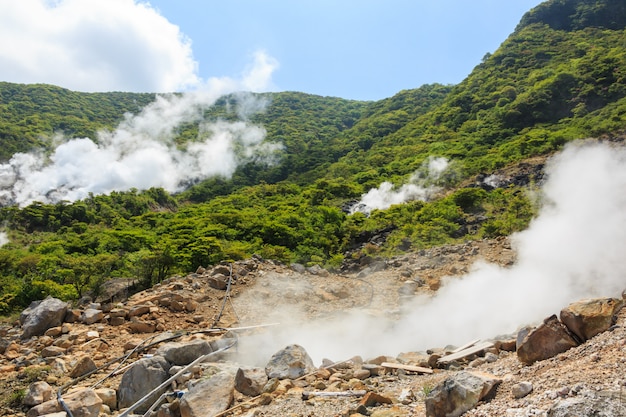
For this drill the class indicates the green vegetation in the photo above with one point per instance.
(559, 77)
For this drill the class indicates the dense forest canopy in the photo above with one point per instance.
(560, 76)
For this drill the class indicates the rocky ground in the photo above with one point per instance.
(201, 306)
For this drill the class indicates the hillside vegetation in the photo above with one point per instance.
(560, 76)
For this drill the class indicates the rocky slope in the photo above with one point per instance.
(202, 311)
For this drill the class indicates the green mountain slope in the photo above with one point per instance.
(31, 114)
(560, 76)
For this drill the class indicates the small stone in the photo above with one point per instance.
(521, 389)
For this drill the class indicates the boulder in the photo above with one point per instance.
(183, 353)
(140, 326)
(40, 316)
(37, 393)
(108, 397)
(545, 341)
(83, 366)
(221, 269)
(82, 403)
(209, 397)
(144, 376)
(218, 281)
(595, 406)
(91, 316)
(460, 393)
(52, 351)
(250, 381)
(291, 362)
(587, 318)
(138, 310)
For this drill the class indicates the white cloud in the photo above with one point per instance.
(94, 45)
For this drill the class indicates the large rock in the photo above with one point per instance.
(144, 376)
(183, 353)
(210, 397)
(587, 318)
(83, 403)
(545, 341)
(250, 381)
(37, 393)
(291, 362)
(605, 406)
(108, 397)
(460, 393)
(40, 316)
(91, 316)
(83, 366)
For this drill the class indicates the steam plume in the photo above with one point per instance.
(4, 238)
(422, 185)
(141, 152)
(574, 249)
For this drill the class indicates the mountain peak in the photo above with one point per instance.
(570, 15)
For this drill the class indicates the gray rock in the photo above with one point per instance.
(546, 341)
(83, 403)
(289, 363)
(183, 353)
(91, 316)
(140, 379)
(460, 393)
(250, 381)
(40, 316)
(37, 393)
(299, 268)
(209, 397)
(521, 389)
(607, 406)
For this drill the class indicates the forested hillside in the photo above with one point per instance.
(560, 76)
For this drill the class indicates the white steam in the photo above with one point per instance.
(422, 185)
(4, 238)
(574, 249)
(141, 152)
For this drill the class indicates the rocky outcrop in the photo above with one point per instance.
(460, 393)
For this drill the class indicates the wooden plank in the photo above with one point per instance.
(410, 368)
(310, 394)
(466, 352)
(466, 346)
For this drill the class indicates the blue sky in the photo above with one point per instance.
(355, 49)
